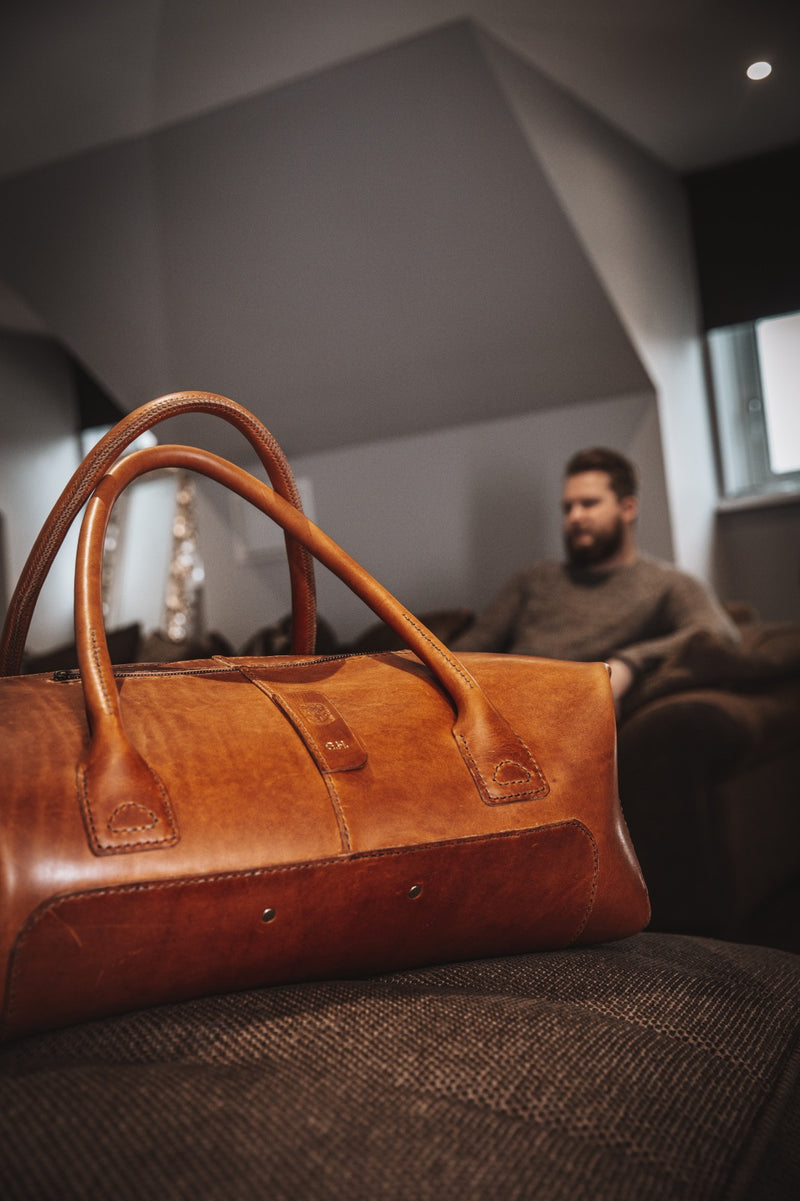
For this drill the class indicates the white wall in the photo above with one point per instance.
(630, 214)
(759, 557)
(39, 450)
(440, 519)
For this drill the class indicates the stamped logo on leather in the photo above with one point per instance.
(329, 739)
(335, 746)
(319, 712)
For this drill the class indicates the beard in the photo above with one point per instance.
(602, 547)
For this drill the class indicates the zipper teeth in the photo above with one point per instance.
(127, 672)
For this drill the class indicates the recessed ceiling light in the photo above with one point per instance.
(759, 70)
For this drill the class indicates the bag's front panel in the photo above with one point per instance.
(258, 799)
(120, 948)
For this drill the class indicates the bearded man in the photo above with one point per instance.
(607, 601)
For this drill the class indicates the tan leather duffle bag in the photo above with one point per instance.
(174, 830)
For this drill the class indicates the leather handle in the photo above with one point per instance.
(502, 767)
(94, 467)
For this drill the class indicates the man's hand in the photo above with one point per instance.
(621, 680)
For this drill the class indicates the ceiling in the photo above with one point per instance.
(329, 205)
(670, 74)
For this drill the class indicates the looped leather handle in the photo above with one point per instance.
(114, 778)
(94, 467)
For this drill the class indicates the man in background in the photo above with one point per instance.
(607, 601)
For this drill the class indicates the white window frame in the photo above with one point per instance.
(740, 418)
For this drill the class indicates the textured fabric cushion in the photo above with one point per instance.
(659, 1067)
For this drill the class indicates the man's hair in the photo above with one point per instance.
(621, 472)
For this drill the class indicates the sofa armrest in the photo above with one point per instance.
(714, 729)
(708, 782)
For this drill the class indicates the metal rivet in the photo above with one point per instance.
(268, 915)
(415, 891)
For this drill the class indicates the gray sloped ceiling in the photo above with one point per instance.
(371, 251)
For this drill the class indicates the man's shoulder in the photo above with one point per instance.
(648, 566)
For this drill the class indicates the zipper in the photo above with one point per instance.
(66, 675)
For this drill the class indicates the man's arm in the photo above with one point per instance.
(494, 628)
(688, 607)
(622, 676)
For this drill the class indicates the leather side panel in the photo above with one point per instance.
(114, 949)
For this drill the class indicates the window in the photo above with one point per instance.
(778, 342)
(755, 370)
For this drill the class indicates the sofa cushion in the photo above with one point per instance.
(656, 1067)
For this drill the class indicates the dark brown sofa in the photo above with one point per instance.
(658, 1068)
(709, 765)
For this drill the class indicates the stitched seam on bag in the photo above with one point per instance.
(107, 705)
(307, 865)
(254, 873)
(593, 894)
(511, 763)
(154, 673)
(341, 820)
(319, 758)
(133, 806)
(483, 788)
(449, 659)
(142, 844)
(143, 674)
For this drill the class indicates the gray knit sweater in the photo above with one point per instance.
(638, 613)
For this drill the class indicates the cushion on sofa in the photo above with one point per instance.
(658, 1067)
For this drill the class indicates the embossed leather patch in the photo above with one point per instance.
(335, 747)
(332, 744)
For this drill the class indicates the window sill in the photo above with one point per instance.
(759, 500)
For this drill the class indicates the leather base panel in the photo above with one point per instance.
(110, 950)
